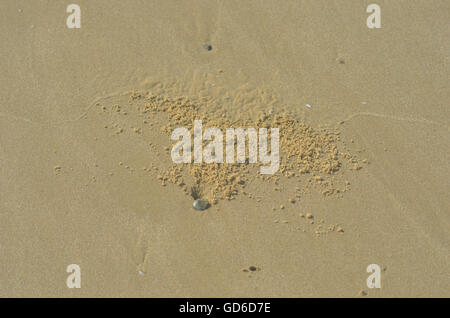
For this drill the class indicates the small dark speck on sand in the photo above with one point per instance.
(251, 269)
(207, 47)
(341, 61)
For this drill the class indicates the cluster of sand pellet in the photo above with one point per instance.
(305, 153)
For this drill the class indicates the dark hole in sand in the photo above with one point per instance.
(207, 47)
(196, 192)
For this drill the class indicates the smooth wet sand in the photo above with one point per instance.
(65, 198)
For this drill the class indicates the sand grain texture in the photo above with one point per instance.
(81, 164)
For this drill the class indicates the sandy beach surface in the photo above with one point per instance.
(83, 162)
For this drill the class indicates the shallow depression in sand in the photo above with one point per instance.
(312, 159)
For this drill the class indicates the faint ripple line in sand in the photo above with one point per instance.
(411, 120)
(86, 111)
(92, 104)
(18, 118)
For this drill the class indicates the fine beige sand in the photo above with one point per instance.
(83, 168)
